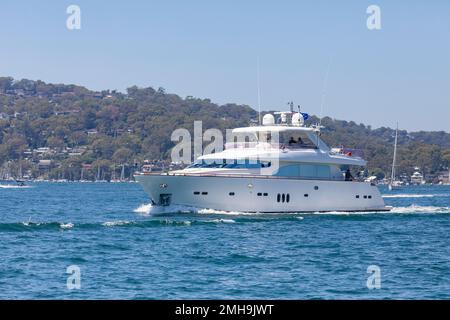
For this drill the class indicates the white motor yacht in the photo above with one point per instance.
(297, 172)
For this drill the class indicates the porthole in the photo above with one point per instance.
(316, 188)
(370, 197)
(278, 197)
(306, 195)
(283, 197)
(365, 197)
(259, 194)
(357, 196)
(288, 197)
(204, 193)
(196, 192)
(265, 194)
(231, 194)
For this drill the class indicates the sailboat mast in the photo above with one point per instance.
(395, 155)
(122, 173)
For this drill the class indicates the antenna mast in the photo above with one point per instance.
(324, 90)
(259, 90)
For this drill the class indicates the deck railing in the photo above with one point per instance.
(250, 176)
(268, 146)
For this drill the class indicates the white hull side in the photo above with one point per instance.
(329, 196)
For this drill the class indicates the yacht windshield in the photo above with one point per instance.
(231, 164)
(296, 140)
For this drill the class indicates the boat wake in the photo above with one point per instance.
(420, 209)
(115, 223)
(10, 186)
(188, 221)
(149, 209)
(410, 195)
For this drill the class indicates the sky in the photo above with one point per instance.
(209, 49)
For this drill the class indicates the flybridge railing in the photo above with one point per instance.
(268, 146)
(350, 152)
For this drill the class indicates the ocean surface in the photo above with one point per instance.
(126, 249)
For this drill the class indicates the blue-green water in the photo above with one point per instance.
(126, 250)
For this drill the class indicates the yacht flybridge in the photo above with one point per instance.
(277, 167)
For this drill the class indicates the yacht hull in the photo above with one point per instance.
(261, 194)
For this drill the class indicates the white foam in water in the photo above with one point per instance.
(31, 223)
(66, 225)
(408, 195)
(144, 208)
(420, 209)
(222, 221)
(9, 186)
(151, 209)
(115, 223)
(339, 213)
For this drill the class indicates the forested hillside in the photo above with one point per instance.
(69, 127)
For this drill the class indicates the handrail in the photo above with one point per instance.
(250, 176)
(268, 146)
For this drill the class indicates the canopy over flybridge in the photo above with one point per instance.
(287, 121)
(274, 128)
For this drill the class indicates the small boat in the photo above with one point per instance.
(20, 183)
(417, 177)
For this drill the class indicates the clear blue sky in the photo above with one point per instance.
(208, 49)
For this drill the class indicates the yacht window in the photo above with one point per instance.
(231, 193)
(305, 171)
(247, 164)
(231, 164)
(308, 171)
(296, 140)
(210, 163)
(289, 171)
(323, 172)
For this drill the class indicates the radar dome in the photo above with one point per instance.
(297, 119)
(268, 120)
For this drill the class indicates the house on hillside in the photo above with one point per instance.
(4, 116)
(444, 177)
(44, 164)
(92, 132)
